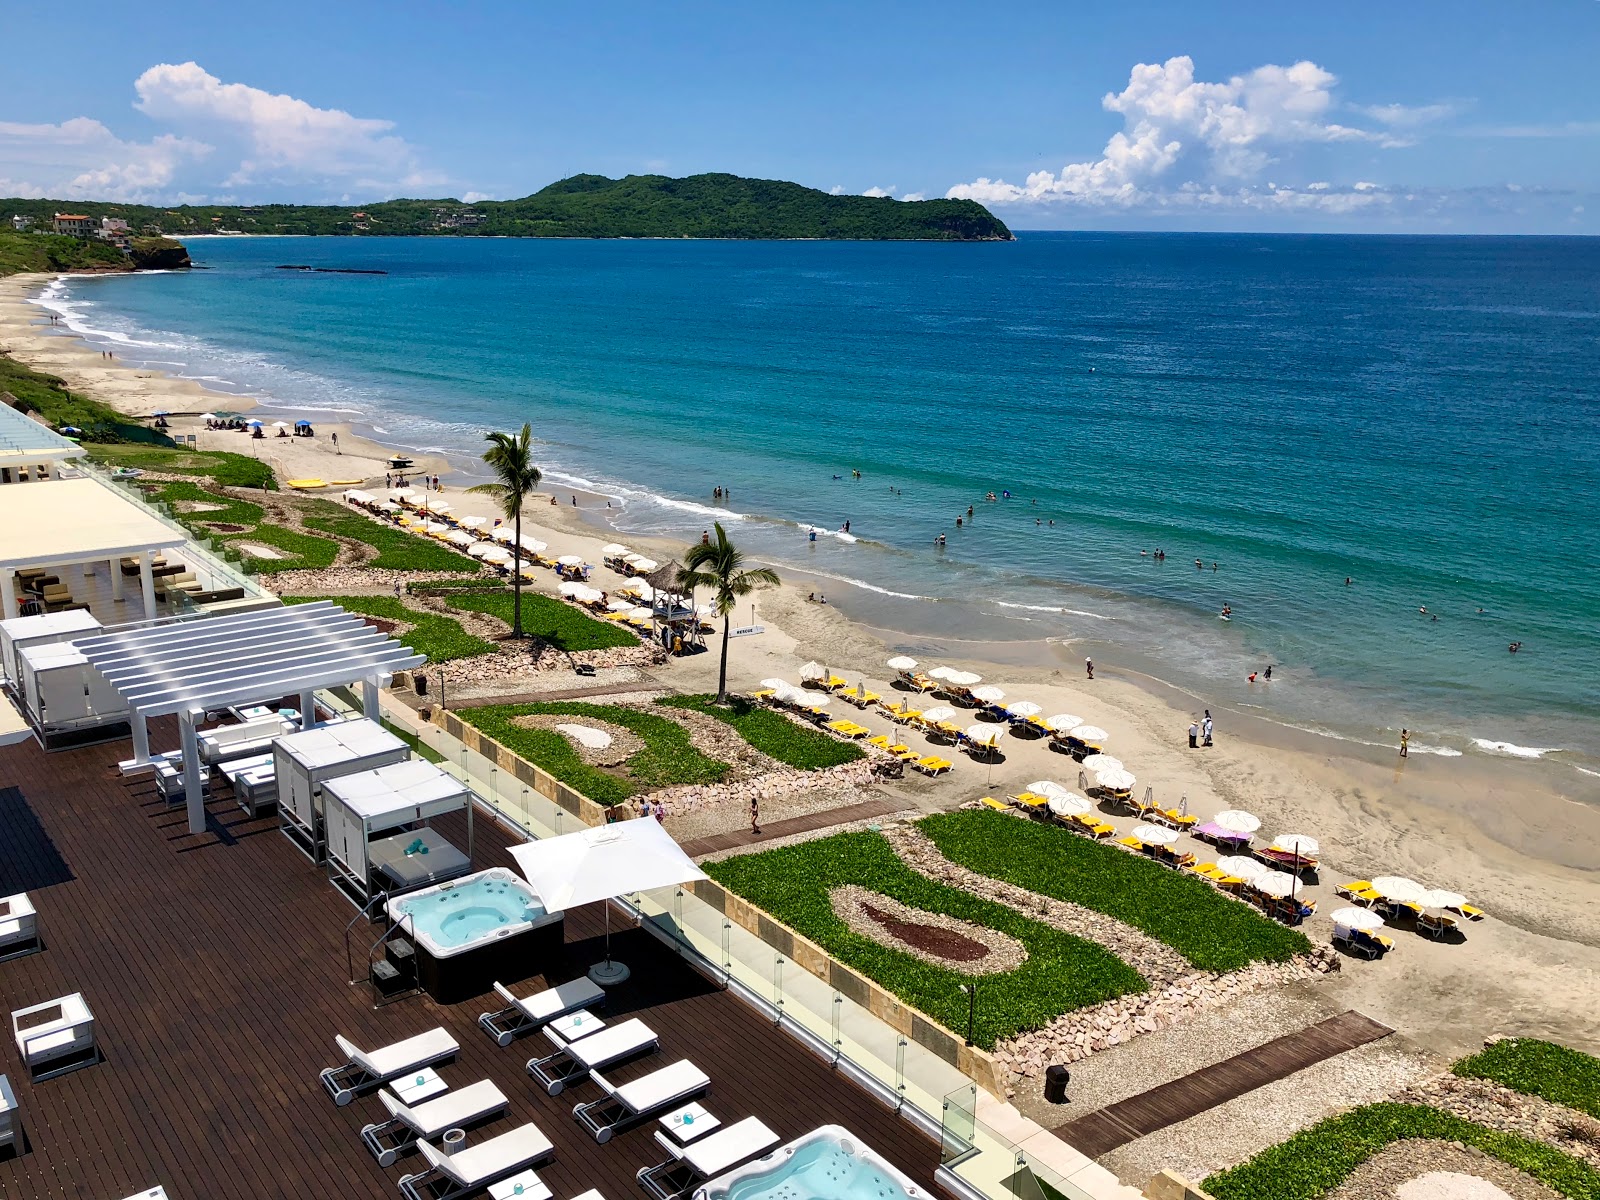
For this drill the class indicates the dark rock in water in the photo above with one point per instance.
(294, 266)
(329, 270)
(157, 254)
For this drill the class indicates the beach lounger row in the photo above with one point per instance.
(573, 1061)
(364, 1071)
(849, 729)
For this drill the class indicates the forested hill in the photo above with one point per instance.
(639, 206)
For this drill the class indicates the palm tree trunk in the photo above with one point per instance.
(516, 578)
(722, 672)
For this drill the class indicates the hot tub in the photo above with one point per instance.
(829, 1163)
(477, 929)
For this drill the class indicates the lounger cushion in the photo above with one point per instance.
(668, 1084)
(413, 1052)
(609, 1045)
(557, 1001)
(480, 1165)
(465, 1106)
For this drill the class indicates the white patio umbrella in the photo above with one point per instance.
(1399, 889)
(965, 678)
(587, 596)
(460, 537)
(434, 527)
(985, 735)
(639, 588)
(571, 587)
(776, 685)
(1297, 843)
(1115, 781)
(504, 533)
(496, 554)
(1155, 835)
(813, 671)
(938, 713)
(439, 506)
(613, 550)
(595, 865)
(1062, 722)
(988, 693)
(1090, 733)
(275, 424)
(901, 663)
(1068, 804)
(619, 604)
(473, 522)
(569, 560)
(1241, 866)
(1023, 709)
(942, 673)
(1236, 820)
(1102, 762)
(812, 700)
(1275, 883)
(645, 565)
(1356, 918)
(1441, 899)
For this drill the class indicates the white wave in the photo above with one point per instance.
(1055, 608)
(1489, 746)
(1441, 751)
(1585, 771)
(833, 533)
(863, 584)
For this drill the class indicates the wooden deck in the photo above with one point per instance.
(1106, 1129)
(215, 967)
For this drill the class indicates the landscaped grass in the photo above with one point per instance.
(441, 638)
(549, 620)
(1538, 1068)
(667, 759)
(1210, 930)
(223, 466)
(773, 733)
(397, 549)
(1062, 972)
(48, 396)
(303, 551)
(1317, 1160)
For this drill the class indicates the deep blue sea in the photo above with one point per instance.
(1420, 415)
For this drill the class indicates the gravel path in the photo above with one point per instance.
(1429, 1170)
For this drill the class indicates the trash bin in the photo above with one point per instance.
(1056, 1079)
(422, 685)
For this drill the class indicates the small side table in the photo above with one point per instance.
(577, 1025)
(412, 1088)
(686, 1124)
(523, 1186)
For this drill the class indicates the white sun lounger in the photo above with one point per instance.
(572, 1061)
(528, 1013)
(365, 1072)
(475, 1168)
(472, 1105)
(626, 1105)
(711, 1155)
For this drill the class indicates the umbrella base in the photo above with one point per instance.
(609, 973)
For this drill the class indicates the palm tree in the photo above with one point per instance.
(510, 457)
(720, 566)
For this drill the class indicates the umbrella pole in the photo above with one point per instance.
(608, 973)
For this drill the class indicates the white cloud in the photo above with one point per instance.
(474, 197)
(1560, 129)
(914, 196)
(1407, 116)
(879, 192)
(1183, 138)
(214, 137)
(836, 190)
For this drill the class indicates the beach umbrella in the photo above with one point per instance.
(502, 533)
(964, 678)
(1236, 820)
(901, 663)
(1298, 844)
(776, 685)
(1399, 889)
(1275, 883)
(941, 712)
(813, 672)
(1155, 835)
(1023, 709)
(808, 700)
(1102, 762)
(440, 506)
(460, 537)
(432, 527)
(1115, 781)
(618, 604)
(942, 673)
(389, 506)
(988, 693)
(571, 587)
(208, 416)
(613, 550)
(1356, 918)
(1045, 787)
(568, 560)
(1068, 804)
(473, 522)
(645, 565)
(275, 424)
(252, 422)
(1240, 865)
(643, 590)
(1438, 899)
(1062, 722)
(639, 613)
(985, 735)
(1090, 733)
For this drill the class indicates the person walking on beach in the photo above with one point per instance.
(1405, 743)
(1206, 728)
(755, 815)
(335, 438)
(1088, 666)
(1194, 734)
(705, 537)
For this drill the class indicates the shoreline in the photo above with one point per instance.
(1512, 835)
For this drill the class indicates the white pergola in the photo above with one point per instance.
(25, 442)
(190, 668)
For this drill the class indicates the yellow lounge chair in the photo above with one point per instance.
(1209, 870)
(842, 726)
(1040, 724)
(834, 682)
(1467, 911)
(907, 717)
(881, 742)
(903, 752)
(1131, 842)
(1100, 830)
(997, 805)
(931, 765)
(1359, 890)
(1171, 816)
(1029, 800)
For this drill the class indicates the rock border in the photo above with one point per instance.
(850, 903)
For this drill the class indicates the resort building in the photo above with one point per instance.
(21, 222)
(74, 224)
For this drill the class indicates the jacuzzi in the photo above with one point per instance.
(474, 930)
(829, 1163)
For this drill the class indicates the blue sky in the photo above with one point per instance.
(1414, 116)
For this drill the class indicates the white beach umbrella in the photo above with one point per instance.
(942, 673)
(569, 587)
(440, 506)
(1115, 781)
(812, 700)
(570, 560)
(1399, 889)
(432, 527)
(587, 596)
(473, 522)
(776, 685)
(1297, 843)
(1046, 787)
(614, 550)
(644, 591)
(483, 549)
(940, 712)
(460, 537)
(1102, 762)
(1023, 709)
(985, 735)
(1062, 722)
(275, 424)
(1236, 820)
(1241, 866)
(1090, 733)
(813, 671)
(901, 663)
(1155, 835)
(965, 678)
(619, 604)
(1276, 883)
(640, 613)
(1068, 804)
(496, 554)
(389, 506)
(208, 416)
(1356, 918)
(1440, 899)
(504, 533)
(645, 565)
(988, 693)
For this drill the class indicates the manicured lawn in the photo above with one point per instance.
(667, 759)
(441, 638)
(223, 466)
(1210, 930)
(397, 549)
(306, 552)
(1538, 1068)
(1062, 972)
(549, 620)
(302, 550)
(1317, 1160)
(774, 734)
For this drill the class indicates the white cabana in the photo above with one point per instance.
(303, 762)
(593, 866)
(199, 666)
(362, 807)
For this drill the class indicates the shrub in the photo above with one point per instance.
(668, 757)
(1315, 1161)
(774, 734)
(441, 638)
(1538, 1068)
(549, 620)
(1062, 972)
(1212, 931)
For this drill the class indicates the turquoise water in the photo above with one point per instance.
(819, 1170)
(470, 910)
(1421, 416)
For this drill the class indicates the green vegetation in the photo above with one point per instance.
(720, 566)
(46, 395)
(302, 551)
(510, 457)
(773, 734)
(441, 638)
(21, 252)
(549, 620)
(418, 747)
(1538, 1068)
(221, 466)
(1210, 930)
(397, 549)
(668, 757)
(699, 206)
(1062, 972)
(1317, 1160)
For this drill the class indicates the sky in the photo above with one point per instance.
(1419, 116)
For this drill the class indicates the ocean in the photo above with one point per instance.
(1420, 416)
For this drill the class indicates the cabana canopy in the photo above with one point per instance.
(77, 520)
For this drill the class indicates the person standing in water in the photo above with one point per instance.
(1405, 743)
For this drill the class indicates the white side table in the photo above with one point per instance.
(424, 1083)
(522, 1186)
(577, 1025)
(686, 1124)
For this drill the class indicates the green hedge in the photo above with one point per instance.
(1538, 1068)
(1062, 972)
(773, 733)
(1317, 1160)
(668, 757)
(441, 638)
(397, 549)
(549, 620)
(1212, 931)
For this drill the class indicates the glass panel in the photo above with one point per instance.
(959, 1122)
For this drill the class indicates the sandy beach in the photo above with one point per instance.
(1521, 843)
